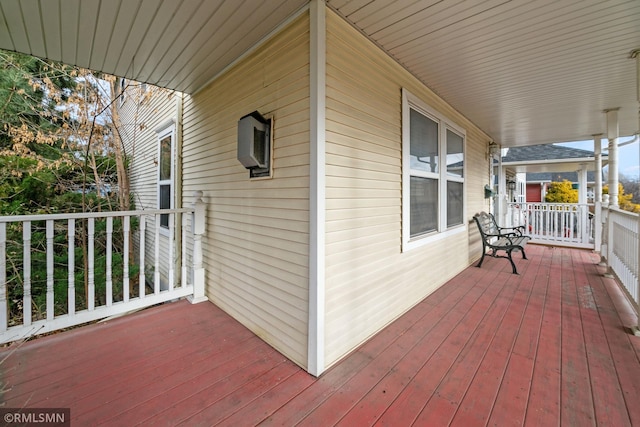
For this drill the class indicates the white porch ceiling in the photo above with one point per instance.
(526, 72)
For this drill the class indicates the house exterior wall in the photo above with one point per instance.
(143, 112)
(370, 281)
(256, 247)
(534, 193)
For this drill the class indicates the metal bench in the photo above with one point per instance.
(496, 238)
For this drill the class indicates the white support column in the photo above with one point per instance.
(582, 185)
(582, 200)
(198, 224)
(597, 149)
(502, 193)
(317, 101)
(612, 136)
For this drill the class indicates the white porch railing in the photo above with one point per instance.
(564, 224)
(62, 270)
(622, 251)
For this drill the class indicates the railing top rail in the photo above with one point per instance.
(63, 216)
(619, 211)
(553, 204)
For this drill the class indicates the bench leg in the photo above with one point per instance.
(484, 252)
(524, 256)
(513, 265)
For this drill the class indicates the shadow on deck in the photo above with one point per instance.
(545, 347)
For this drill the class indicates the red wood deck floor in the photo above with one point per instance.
(547, 347)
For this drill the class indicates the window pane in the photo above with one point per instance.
(455, 154)
(165, 158)
(424, 142)
(424, 205)
(454, 203)
(165, 203)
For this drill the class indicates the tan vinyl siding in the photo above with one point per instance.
(369, 280)
(256, 247)
(141, 115)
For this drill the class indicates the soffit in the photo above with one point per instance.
(525, 72)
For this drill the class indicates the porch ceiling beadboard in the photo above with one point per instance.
(525, 72)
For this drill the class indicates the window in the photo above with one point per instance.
(165, 173)
(433, 174)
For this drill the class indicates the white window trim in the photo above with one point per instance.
(410, 101)
(122, 83)
(161, 134)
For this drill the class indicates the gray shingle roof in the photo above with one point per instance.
(545, 152)
(558, 176)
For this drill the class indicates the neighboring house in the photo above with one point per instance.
(538, 184)
(534, 167)
(393, 211)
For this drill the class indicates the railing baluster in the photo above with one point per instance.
(143, 239)
(26, 267)
(91, 296)
(125, 257)
(183, 269)
(4, 309)
(71, 293)
(171, 260)
(109, 273)
(50, 299)
(156, 258)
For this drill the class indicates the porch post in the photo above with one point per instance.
(198, 223)
(597, 149)
(582, 184)
(612, 136)
(582, 201)
(502, 192)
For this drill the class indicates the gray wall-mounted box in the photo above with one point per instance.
(254, 140)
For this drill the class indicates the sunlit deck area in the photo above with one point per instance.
(549, 346)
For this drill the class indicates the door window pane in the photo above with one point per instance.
(165, 158)
(165, 203)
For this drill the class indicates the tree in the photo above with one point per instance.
(631, 186)
(56, 137)
(561, 192)
(624, 199)
(58, 153)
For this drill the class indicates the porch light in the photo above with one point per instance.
(494, 149)
(511, 185)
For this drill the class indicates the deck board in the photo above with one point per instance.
(550, 346)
